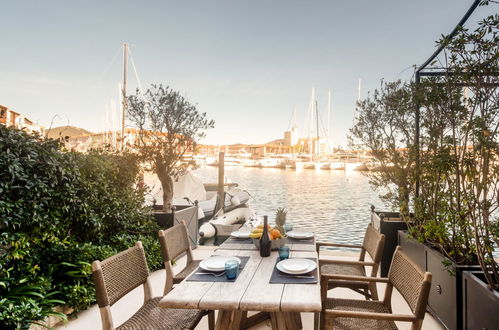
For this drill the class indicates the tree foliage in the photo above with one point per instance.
(384, 124)
(472, 57)
(59, 211)
(457, 208)
(169, 128)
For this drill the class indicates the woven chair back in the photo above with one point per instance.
(374, 243)
(174, 241)
(412, 283)
(119, 274)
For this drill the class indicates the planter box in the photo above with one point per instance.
(387, 223)
(446, 295)
(480, 305)
(189, 214)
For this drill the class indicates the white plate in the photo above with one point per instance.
(240, 234)
(216, 263)
(296, 266)
(300, 234)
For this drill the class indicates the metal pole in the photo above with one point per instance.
(317, 126)
(123, 92)
(221, 197)
(419, 73)
(416, 136)
(450, 35)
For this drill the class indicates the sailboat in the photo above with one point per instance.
(314, 144)
(327, 165)
(310, 165)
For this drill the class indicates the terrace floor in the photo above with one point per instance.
(124, 309)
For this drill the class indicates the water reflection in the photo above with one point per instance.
(333, 204)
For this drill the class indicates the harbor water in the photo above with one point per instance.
(333, 204)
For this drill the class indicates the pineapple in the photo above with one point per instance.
(280, 219)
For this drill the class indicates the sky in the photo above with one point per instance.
(247, 64)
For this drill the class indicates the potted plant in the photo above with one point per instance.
(388, 224)
(453, 226)
(475, 63)
(168, 127)
(384, 124)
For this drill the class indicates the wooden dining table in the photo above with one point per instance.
(251, 291)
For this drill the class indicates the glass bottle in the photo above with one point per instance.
(265, 243)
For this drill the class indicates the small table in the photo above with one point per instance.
(250, 292)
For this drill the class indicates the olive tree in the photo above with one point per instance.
(472, 57)
(169, 127)
(384, 124)
(457, 210)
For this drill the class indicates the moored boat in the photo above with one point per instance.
(225, 223)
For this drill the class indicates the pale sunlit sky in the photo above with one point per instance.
(247, 64)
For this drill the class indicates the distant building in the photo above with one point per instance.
(107, 139)
(314, 146)
(111, 140)
(244, 150)
(291, 137)
(10, 118)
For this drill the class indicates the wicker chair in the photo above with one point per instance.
(118, 275)
(174, 242)
(373, 244)
(412, 283)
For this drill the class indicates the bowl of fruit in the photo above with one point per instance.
(277, 239)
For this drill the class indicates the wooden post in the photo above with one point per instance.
(221, 195)
(124, 104)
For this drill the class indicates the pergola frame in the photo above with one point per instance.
(424, 71)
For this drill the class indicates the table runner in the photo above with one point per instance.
(212, 278)
(279, 277)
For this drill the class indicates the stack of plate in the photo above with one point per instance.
(216, 263)
(240, 234)
(300, 234)
(296, 266)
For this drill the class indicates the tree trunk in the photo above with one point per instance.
(167, 185)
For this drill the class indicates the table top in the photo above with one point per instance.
(251, 291)
(232, 245)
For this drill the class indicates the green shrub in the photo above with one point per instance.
(59, 211)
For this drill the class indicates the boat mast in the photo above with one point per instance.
(311, 122)
(358, 91)
(123, 93)
(317, 126)
(328, 113)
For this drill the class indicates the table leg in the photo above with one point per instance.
(278, 321)
(229, 320)
(223, 320)
(248, 322)
(295, 319)
(292, 320)
(316, 320)
(236, 319)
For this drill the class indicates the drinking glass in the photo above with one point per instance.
(288, 227)
(283, 252)
(231, 269)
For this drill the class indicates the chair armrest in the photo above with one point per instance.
(355, 278)
(371, 315)
(319, 244)
(345, 262)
